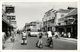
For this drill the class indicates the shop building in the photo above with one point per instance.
(68, 23)
(7, 17)
(33, 26)
(48, 20)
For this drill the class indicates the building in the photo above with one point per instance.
(48, 20)
(59, 14)
(68, 23)
(33, 26)
(8, 19)
(27, 26)
(62, 20)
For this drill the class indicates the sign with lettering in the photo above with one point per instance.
(12, 22)
(9, 9)
(10, 17)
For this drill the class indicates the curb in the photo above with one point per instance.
(70, 39)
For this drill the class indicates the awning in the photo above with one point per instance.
(72, 12)
(67, 16)
(65, 25)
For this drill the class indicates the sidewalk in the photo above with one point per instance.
(69, 39)
(8, 44)
(65, 39)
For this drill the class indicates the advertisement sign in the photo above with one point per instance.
(9, 9)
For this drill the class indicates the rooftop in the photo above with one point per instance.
(72, 12)
(63, 11)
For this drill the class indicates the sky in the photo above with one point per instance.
(34, 11)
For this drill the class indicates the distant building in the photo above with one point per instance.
(27, 26)
(33, 26)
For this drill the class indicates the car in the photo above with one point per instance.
(34, 34)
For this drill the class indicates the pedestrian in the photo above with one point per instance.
(62, 34)
(3, 39)
(40, 42)
(56, 34)
(52, 33)
(24, 38)
(65, 35)
(12, 36)
(8, 33)
(69, 34)
(49, 40)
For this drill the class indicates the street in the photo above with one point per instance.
(53, 23)
(58, 44)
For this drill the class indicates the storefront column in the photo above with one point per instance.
(10, 30)
(65, 29)
(72, 35)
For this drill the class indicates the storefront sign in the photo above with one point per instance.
(12, 22)
(9, 9)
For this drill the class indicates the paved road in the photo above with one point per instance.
(58, 44)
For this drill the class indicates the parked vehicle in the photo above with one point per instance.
(35, 34)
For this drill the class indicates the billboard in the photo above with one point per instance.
(9, 9)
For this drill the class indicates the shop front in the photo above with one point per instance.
(6, 27)
(68, 28)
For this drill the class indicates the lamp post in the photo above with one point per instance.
(47, 25)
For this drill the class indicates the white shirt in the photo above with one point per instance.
(56, 33)
(49, 34)
(3, 34)
(24, 34)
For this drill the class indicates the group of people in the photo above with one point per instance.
(39, 43)
(62, 34)
(49, 40)
(4, 37)
(68, 34)
(40, 35)
(50, 36)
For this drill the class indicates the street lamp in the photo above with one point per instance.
(46, 25)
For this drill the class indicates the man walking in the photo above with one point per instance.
(50, 41)
(12, 36)
(40, 42)
(3, 39)
(24, 38)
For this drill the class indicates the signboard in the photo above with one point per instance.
(70, 21)
(9, 9)
(11, 17)
(12, 22)
(61, 19)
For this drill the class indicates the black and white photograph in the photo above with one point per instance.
(39, 25)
